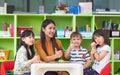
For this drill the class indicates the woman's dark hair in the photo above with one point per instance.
(45, 23)
(103, 33)
(27, 33)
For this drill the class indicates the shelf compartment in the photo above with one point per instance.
(8, 44)
(100, 19)
(33, 21)
(82, 21)
(116, 68)
(8, 19)
(62, 21)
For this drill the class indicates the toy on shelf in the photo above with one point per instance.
(7, 31)
(4, 54)
(85, 31)
(68, 31)
(61, 8)
(116, 54)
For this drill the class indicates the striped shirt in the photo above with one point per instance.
(80, 56)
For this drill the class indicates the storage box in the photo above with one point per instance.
(60, 32)
(4, 34)
(4, 54)
(115, 33)
(86, 34)
(74, 9)
(21, 29)
(86, 7)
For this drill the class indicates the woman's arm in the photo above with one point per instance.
(44, 57)
(42, 54)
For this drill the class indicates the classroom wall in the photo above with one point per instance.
(20, 5)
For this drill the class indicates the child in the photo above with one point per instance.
(26, 54)
(100, 52)
(75, 52)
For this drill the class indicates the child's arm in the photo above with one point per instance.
(93, 50)
(100, 56)
(88, 62)
(95, 54)
(67, 53)
(35, 59)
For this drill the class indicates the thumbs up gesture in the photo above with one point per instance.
(58, 53)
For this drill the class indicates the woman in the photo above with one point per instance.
(49, 48)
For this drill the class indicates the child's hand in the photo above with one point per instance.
(93, 44)
(93, 50)
(71, 45)
(36, 59)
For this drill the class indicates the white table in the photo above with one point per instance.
(72, 68)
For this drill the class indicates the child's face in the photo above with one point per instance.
(76, 41)
(99, 40)
(29, 40)
(49, 30)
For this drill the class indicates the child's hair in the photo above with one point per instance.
(27, 33)
(75, 34)
(54, 44)
(103, 33)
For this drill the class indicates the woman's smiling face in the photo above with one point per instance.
(49, 30)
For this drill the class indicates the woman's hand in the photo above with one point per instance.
(58, 53)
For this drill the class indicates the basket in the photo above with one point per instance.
(4, 54)
(22, 28)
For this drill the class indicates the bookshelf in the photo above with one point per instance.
(80, 21)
